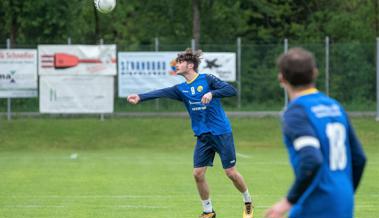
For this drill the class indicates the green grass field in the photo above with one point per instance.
(142, 167)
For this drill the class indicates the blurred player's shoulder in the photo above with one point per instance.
(317, 105)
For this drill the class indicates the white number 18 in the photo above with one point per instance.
(336, 133)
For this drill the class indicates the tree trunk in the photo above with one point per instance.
(14, 25)
(376, 18)
(196, 22)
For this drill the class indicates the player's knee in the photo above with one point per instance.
(231, 174)
(198, 174)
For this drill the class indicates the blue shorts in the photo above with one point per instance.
(206, 147)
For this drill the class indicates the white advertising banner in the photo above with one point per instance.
(18, 73)
(220, 64)
(141, 72)
(146, 71)
(77, 59)
(76, 94)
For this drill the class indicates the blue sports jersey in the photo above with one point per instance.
(209, 118)
(321, 141)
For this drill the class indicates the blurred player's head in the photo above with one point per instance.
(187, 61)
(297, 68)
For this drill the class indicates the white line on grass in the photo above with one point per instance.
(144, 196)
(140, 206)
(141, 161)
(242, 155)
(61, 206)
(149, 206)
(33, 206)
(125, 196)
(159, 162)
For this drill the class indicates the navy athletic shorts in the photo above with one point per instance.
(206, 147)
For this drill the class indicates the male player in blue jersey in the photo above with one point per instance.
(326, 155)
(201, 95)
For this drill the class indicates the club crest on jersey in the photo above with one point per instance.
(200, 88)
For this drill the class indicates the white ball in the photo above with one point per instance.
(105, 6)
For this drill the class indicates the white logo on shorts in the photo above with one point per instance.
(233, 161)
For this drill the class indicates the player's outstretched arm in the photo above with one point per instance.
(171, 93)
(134, 99)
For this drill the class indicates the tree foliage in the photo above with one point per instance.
(134, 24)
(138, 22)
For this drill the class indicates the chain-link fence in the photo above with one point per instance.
(347, 72)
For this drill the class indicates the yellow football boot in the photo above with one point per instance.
(208, 215)
(248, 210)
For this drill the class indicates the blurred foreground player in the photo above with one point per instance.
(326, 155)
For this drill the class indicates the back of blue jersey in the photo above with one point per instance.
(332, 189)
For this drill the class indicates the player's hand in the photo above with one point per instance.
(134, 99)
(207, 98)
(279, 209)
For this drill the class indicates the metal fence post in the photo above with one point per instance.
(102, 114)
(193, 44)
(377, 79)
(9, 100)
(327, 65)
(69, 41)
(156, 42)
(239, 85)
(285, 92)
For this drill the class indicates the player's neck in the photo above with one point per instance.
(295, 92)
(190, 76)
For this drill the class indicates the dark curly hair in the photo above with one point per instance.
(193, 57)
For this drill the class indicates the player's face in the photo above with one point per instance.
(182, 67)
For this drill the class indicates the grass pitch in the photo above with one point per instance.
(142, 167)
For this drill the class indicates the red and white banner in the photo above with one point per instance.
(77, 59)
